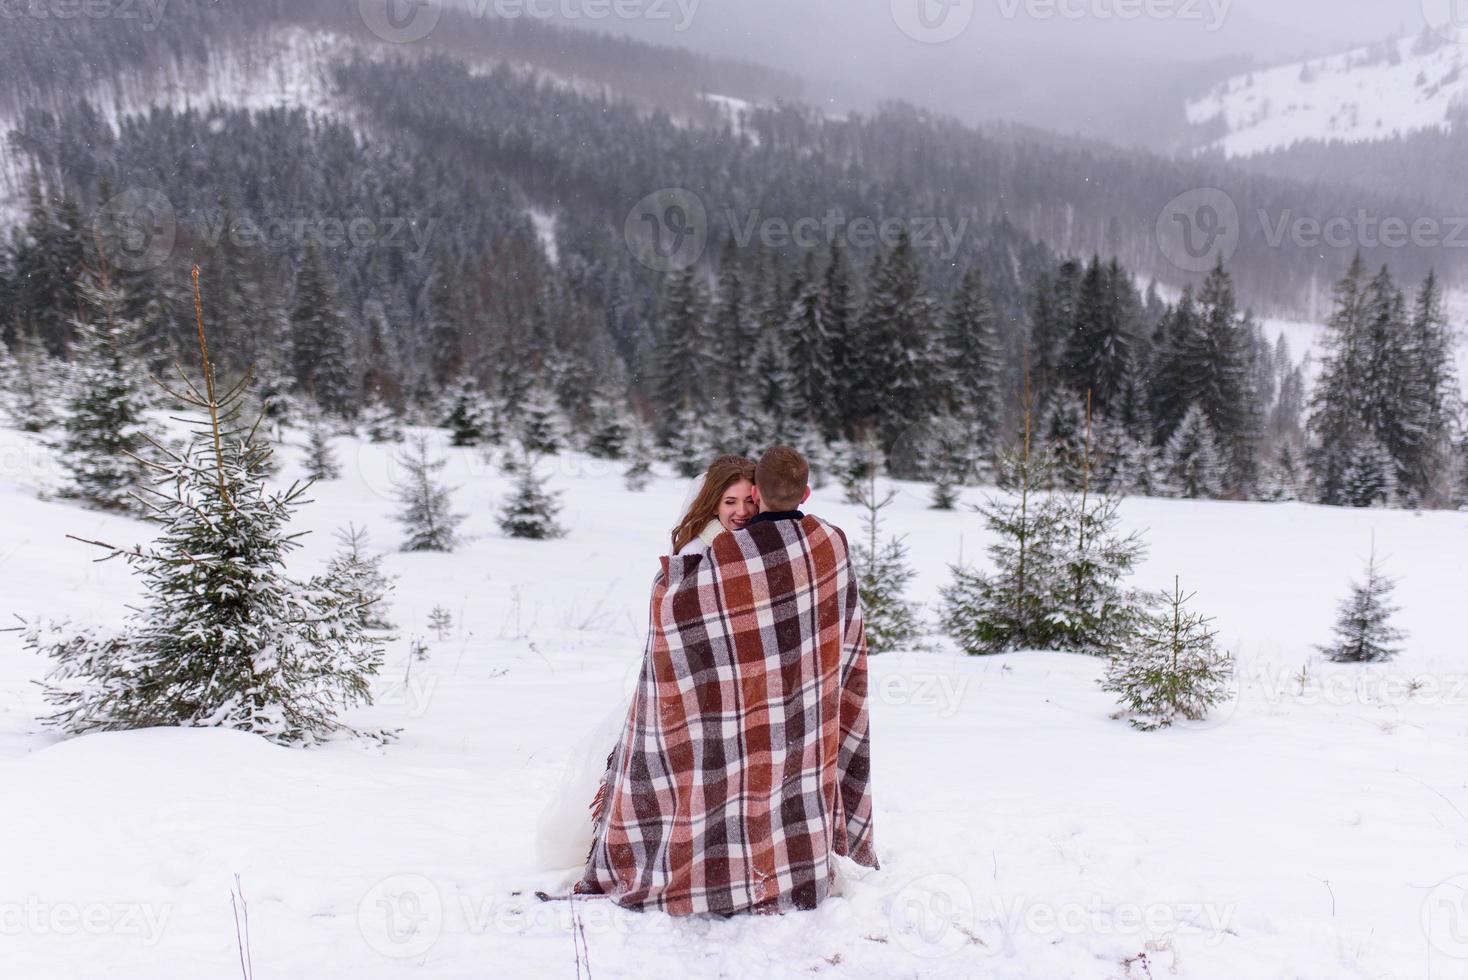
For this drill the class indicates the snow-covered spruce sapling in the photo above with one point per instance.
(381, 422)
(321, 463)
(426, 508)
(468, 422)
(440, 620)
(1172, 667)
(360, 571)
(530, 512)
(883, 574)
(224, 637)
(105, 428)
(1011, 607)
(638, 473)
(1363, 630)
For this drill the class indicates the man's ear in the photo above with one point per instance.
(807, 495)
(754, 492)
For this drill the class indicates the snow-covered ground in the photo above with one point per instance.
(1357, 95)
(1305, 832)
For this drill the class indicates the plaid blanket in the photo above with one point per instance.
(743, 765)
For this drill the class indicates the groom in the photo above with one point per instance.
(743, 766)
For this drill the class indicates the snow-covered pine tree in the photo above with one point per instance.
(440, 620)
(610, 430)
(638, 473)
(542, 431)
(1095, 610)
(321, 462)
(1369, 474)
(1363, 630)
(530, 513)
(105, 425)
(1011, 608)
(1283, 478)
(883, 575)
(226, 638)
(1063, 428)
(898, 353)
(972, 363)
(467, 421)
(1190, 461)
(1171, 667)
(33, 385)
(360, 573)
(690, 443)
(321, 348)
(809, 345)
(382, 422)
(426, 513)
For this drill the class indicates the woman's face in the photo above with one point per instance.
(736, 506)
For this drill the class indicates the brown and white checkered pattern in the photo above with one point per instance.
(744, 763)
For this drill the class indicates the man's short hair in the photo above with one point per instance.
(782, 475)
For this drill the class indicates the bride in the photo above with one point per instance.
(721, 500)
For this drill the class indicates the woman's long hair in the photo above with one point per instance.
(722, 473)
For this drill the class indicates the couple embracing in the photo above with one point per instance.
(740, 771)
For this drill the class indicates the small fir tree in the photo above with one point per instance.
(1191, 462)
(639, 459)
(321, 462)
(105, 425)
(530, 512)
(1363, 630)
(883, 575)
(360, 572)
(468, 421)
(440, 620)
(382, 423)
(32, 384)
(426, 513)
(225, 639)
(1171, 668)
(1011, 608)
(541, 429)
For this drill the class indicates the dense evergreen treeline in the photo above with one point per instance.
(922, 346)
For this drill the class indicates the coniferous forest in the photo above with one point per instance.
(451, 224)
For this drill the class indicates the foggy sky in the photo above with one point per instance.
(1093, 72)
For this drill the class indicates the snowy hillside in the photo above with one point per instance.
(1396, 88)
(1300, 834)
